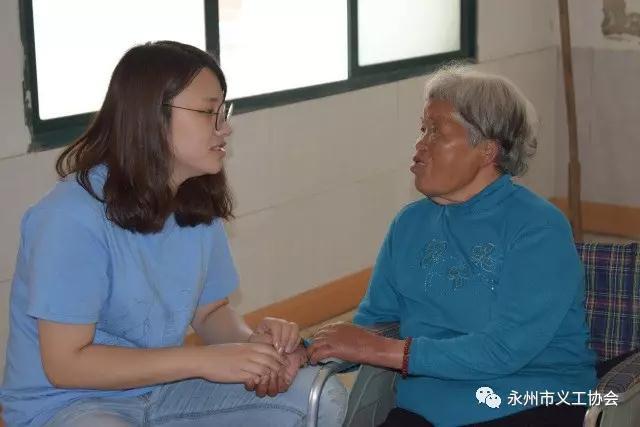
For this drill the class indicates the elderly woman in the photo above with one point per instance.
(482, 276)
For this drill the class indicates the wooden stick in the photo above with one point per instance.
(575, 215)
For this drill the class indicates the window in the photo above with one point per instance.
(78, 43)
(428, 27)
(273, 52)
(274, 45)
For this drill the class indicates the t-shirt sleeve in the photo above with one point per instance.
(222, 277)
(67, 268)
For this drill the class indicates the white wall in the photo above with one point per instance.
(586, 26)
(606, 80)
(316, 182)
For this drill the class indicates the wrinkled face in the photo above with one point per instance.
(198, 149)
(445, 162)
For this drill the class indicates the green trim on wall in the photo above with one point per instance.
(211, 28)
(54, 133)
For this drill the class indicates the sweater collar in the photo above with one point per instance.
(489, 197)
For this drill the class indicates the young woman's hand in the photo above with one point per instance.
(279, 383)
(285, 335)
(239, 362)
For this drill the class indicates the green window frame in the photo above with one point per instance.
(57, 132)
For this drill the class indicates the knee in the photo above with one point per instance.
(109, 421)
(97, 419)
(333, 404)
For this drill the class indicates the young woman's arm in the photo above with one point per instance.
(71, 360)
(218, 323)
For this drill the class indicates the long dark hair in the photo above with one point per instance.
(129, 136)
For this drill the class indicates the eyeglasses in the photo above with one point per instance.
(223, 115)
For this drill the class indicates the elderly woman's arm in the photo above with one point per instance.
(379, 305)
(541, 278)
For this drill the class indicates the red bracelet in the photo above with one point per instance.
(405, 357)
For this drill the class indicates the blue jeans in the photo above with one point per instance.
(199, 403)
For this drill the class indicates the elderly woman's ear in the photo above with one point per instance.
(490, 151)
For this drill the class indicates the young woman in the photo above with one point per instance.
(128, 251)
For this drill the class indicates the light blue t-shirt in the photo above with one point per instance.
(75, 266)
(492, 292)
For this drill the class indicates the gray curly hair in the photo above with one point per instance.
(491, 108)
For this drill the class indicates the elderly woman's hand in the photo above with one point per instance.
(350, 342)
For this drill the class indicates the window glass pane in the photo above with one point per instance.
(402, 29)
(78, 43)
(273, 45)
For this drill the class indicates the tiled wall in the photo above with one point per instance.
(316, 182)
